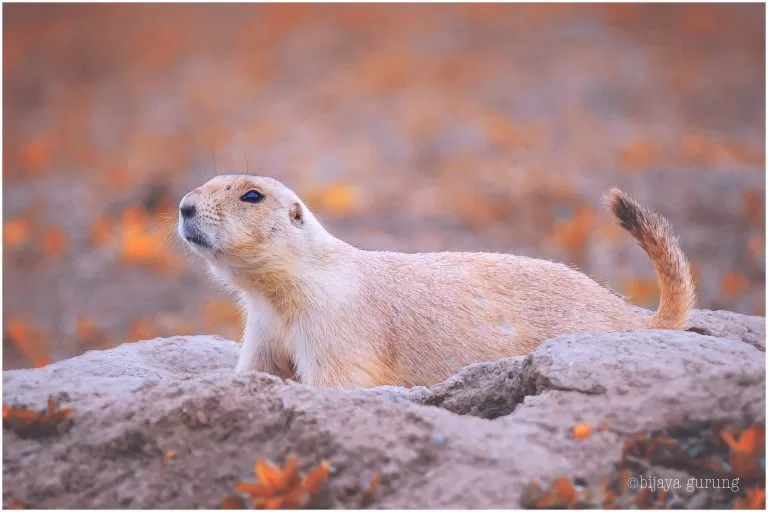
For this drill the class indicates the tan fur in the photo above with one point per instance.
(329, 314)
(654, 234)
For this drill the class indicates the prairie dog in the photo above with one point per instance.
(328, 314)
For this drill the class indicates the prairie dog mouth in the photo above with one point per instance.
(192, 234)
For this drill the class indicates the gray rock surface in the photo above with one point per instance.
(726, 324)
(473, 441)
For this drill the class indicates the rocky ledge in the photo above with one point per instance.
(166, 423)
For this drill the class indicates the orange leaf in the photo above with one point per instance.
(144, 241)
(754, 498)
(55, 241)
(101, 229)
(745, 452)
(15, 504)
(733, 283)
(283, 487)
(29, 340)
(566, 489)
(294, 498)
(574, 233)
(232, 502)
(754, 207)
(221, 313)
(500, 131)
(290, 476)
(608, 498)
(269, 475)
(366, 497)
(36, 154)
(40, 360)
(338, 199)
(273, 503)
(581, 431)
(256, 490)
(317, 477)
(561, 494)
(29, 423)
(16, 232)
(745, 444)
(84, 328)
(756, 247)
(17, 413)
(142, 329)
(639, 154)
(641, 291)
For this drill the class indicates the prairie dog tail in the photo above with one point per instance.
(654, 233)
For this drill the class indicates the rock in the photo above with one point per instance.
(474, 441)
(725, 324)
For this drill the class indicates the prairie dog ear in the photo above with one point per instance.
(296, 214)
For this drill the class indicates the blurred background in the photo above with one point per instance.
(405, 127)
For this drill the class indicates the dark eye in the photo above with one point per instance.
(252, 196)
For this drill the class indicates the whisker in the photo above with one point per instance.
(247, 170)
(213, 156)
(168, 235)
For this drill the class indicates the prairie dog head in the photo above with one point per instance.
(238, 221)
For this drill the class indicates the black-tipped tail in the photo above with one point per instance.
(654, 234)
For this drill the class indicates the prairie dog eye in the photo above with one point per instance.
(252, 196)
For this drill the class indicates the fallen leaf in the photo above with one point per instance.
(746, 451)
(639, 154)
(55, 241)
(84, 327)
(16, 232)
(233, 502)
(753, 499)
(574, 233)
(101, 229)
(34, 424)
(280, 488)
(30, 341)
(641, 291)
(562, 494)
(16, 504)
(338, 199)
(500, 131)
(141, 329)
(746, 442)
(581, 431)
(222, 314)
(268, 474)
(317, 477)
(733, 283)
(36, 154)
(754, 206)
(144, 241)
(367, 496)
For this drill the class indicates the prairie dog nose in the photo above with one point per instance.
(188, 204)
(187, 210)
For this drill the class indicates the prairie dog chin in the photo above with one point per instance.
(326, 313)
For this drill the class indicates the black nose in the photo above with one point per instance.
(187, 211)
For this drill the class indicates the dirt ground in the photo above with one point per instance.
(413, 128)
